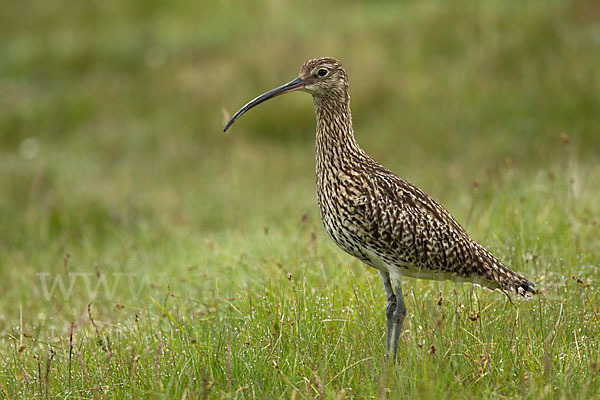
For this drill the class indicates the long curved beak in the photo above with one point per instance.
(296, 84)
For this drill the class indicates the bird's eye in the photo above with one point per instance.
(322, 72)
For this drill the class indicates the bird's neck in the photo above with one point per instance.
(335, 143)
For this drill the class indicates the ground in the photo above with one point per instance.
(146, 254)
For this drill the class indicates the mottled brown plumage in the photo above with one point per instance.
(378, 217)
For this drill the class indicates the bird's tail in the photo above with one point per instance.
(501, 276)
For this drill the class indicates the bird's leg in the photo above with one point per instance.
(389, 311)
(397, 317)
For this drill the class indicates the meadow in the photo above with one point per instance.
(145, 254)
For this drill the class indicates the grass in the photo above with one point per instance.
(194, 264)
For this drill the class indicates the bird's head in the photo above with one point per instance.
(321, 77)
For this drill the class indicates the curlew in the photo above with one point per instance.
(378, 217)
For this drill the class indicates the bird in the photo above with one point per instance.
(377, 216)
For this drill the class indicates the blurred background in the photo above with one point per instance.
(111, 114)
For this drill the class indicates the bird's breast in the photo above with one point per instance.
(343, 212)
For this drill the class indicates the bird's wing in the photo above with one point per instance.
(421, 233)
